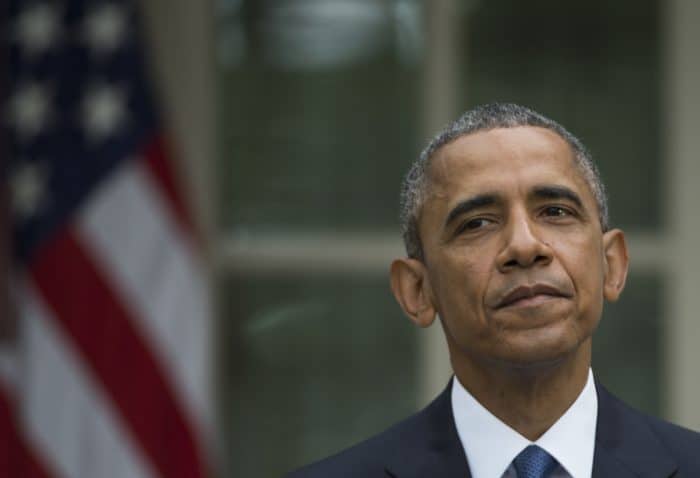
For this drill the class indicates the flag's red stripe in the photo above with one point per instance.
(160, 166)
(16, 457)
(103, 331)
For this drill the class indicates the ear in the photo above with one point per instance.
(410, 285)
(616, 263)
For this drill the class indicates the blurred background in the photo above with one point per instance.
(291, 124)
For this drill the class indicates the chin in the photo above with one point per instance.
(535, 361)
(539, 348)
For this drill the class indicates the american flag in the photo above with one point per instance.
(107, 372)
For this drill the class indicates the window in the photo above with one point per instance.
(316, 125)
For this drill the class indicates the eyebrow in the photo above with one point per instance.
(557, 192)
(469, 205)
(489, 199)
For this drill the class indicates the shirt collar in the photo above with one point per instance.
(490, 445)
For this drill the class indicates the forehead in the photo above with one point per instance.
(503, 160)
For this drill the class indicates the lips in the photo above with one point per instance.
(530, 292)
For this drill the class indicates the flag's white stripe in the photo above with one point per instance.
(8, 367)
(64, 413)
(133, 236)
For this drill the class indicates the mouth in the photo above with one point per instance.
(530, 296)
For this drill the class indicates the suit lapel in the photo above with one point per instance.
(431, 447)
(625, 444)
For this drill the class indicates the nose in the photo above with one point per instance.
(523, 246)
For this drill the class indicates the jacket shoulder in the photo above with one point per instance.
(683, 444)
(678, 443)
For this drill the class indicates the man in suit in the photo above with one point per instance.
(505, 223)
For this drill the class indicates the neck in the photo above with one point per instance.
(528, 398)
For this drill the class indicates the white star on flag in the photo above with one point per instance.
(105, 28)
(104, 112)
(37, 28)
(29, 110)
(28, 185)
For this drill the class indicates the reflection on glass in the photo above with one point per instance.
(312, 366)
(316, 34)
(320, 120)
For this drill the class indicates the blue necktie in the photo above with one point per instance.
(534, 462)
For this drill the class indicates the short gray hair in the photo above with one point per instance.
(484, 118)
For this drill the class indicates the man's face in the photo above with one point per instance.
(515, 259)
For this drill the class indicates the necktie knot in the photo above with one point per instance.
(534, 462)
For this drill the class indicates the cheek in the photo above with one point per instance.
(465, 270)
(460, 286)
(460, 296)
(581, 254)
(583, 261)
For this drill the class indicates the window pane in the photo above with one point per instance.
(318, 118)
(594, 66)
(311, 365)
(627, 346)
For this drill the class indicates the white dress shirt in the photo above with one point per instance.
(490, 445)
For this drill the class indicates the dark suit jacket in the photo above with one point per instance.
(628, 444)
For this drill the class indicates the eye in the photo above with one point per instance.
(473, 224)
(557, 211)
